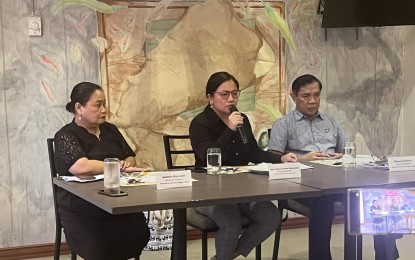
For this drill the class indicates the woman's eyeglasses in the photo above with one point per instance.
(225, 94)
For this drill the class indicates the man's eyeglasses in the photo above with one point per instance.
(225, 94)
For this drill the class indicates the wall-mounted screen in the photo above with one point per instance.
(367, 13)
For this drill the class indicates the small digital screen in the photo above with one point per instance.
(385, 211)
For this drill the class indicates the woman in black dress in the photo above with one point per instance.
(80, 149)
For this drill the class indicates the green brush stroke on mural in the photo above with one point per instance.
(281, 25)
(96, 5)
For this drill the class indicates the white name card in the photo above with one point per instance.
(284, 171)
(174, 179)
(406, 163)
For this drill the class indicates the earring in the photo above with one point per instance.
(80, 117)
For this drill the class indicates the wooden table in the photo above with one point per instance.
(208, 190)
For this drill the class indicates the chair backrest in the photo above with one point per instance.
(176, 145)
(53, 173)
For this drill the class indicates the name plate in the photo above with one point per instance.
(174, 179)
(406, 163)
(284, 171)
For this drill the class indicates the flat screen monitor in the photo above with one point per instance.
(367, 13)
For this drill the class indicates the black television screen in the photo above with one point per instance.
(367, 13)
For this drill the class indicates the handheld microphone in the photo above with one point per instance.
(241, 128)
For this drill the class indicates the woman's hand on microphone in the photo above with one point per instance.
(235, 119)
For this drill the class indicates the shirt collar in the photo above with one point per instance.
(298, 116)
(212, 115)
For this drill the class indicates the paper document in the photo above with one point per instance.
(264, 167)
(305, 167)
(146, 178)
(149, 178)
(330, 162)
(76, 179)
(383, 166)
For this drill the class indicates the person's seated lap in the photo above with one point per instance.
(80, 148)
(216, 126)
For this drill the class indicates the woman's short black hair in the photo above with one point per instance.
(81, 93)
(216, 79)
(303, 80)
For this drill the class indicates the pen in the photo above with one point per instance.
(143, 173)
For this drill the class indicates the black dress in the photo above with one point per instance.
(90, 232)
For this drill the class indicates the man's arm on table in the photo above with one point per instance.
(312, 156)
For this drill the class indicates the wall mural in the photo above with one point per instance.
(36, 75)
(166, 65)
(158, 61)
(361, 70)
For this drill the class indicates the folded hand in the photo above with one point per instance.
(289, 157)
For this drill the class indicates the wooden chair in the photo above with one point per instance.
(171, 152)
(58, 223)
(195, 220)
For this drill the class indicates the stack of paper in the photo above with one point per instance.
(77, 179)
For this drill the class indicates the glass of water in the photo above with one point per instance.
(214, 161)
(111, 174)
(349, 154)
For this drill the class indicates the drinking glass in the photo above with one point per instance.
(111, 174)
(214, 161)
(349, 154)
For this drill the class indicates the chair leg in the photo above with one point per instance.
(204, 245)
(359, 248)
(258, 252)
(276, 243)
(58, 235)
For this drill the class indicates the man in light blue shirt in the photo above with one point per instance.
(320, 136)
(314, 136)
(305, 131)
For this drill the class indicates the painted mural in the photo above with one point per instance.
(156, 67)
(361, 71)
(37, 75)
(154, 63)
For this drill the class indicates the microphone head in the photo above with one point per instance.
(233, 109)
